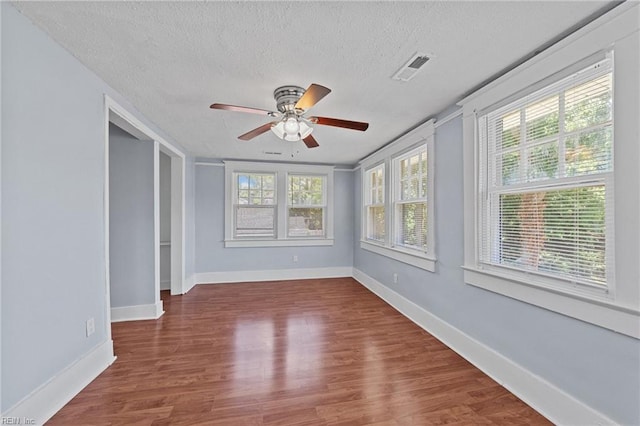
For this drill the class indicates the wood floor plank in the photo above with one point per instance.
(308, 352)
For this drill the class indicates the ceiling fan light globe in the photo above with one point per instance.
(305, 130)
(291, 126)
(278, 130)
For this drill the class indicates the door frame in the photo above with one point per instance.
(121, 117)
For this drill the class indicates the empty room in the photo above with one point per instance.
(320, 213)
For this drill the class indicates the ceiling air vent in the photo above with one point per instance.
(411, 68)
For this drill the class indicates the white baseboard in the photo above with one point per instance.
(272, 275)
(165, 285)
(190, 282)
(41, 404)
(550, 401)
(137, 312)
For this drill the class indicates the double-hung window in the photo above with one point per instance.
(410, 199)
(374, 204)
(397, 199)
(254, 205)
(307, 206)
(543, 147)
(278, 204)
(546, 191)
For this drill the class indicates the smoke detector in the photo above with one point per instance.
(411, 68)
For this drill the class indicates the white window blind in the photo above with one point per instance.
(546, 181)
(255, 205)
(411, 199)
(374, 204)
(306, 201)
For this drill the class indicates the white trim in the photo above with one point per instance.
(190, 283)
(419, 138)
(156, 221)
(41, 404)
(124, 119)
(105, 198)
(557, 49)
(544, 397)
(625, 320)
(416, 259)
(137, 312)
(420, 133)
(204, 163)
(118, 115)
(290, 242)
(272, 275)
(281, 171)
(396, 198)
(617, 31)
(455, 114)
(201, 163)
(178, 227)
(253, 166)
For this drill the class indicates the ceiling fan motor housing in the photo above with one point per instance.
(286, 98)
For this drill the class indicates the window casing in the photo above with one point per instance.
(546, 183)
(598, 285)
(254, 205)
(268, 204)
(410, 199)
(397, 200)
(374, 216)
(306, 206)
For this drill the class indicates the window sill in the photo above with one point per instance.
(595, 310)
(291, 242)
(418, 260)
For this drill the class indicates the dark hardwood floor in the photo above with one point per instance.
(312, 352)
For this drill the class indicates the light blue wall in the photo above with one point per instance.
(53, 256)
(597, 366)
(53, 248)
(212, 256)
(131, 230)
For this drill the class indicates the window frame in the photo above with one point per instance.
(398, 201)
(418, 139)
(369, 204)
(618, 309)
(323, 205)
(281, 172)
(237, 205)
(488, 171)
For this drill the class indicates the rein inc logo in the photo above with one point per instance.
(17, 421)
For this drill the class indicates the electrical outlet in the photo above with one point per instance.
(295, 258)
(91, 326)
(395, 278)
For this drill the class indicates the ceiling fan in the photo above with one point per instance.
(291, 124)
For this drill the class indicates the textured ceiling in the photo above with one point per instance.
(173, 59)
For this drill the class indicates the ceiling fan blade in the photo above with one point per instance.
(256, 132)
(336, 122)
(310, 142)
(244, 109)
(312, 96)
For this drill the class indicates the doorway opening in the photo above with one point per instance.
(147, 169)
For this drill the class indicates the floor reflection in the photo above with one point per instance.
(253, 349)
